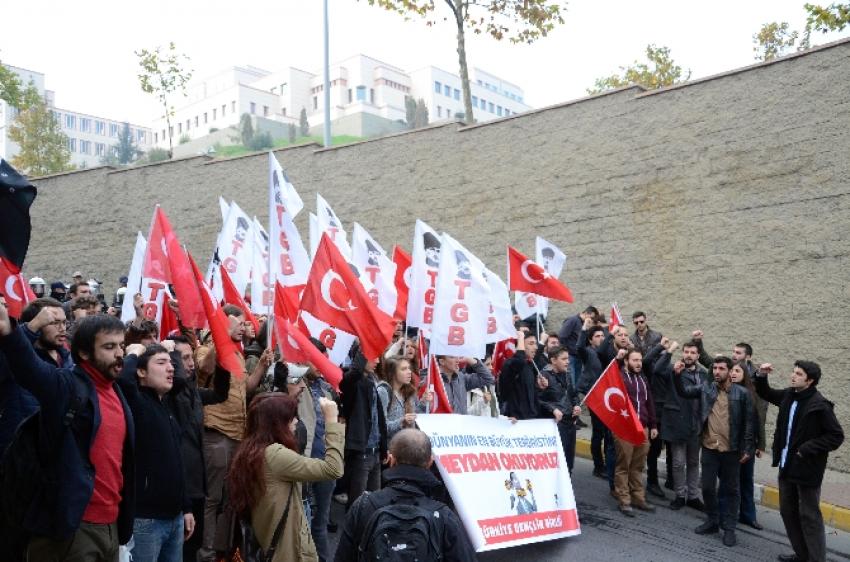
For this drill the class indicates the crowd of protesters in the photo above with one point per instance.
(162, 451)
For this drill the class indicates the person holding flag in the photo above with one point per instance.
(519, 379)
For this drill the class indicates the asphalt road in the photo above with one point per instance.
(663, 536)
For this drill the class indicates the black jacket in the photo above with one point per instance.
(591, 366)
(741, 436)
(358, 395)
(160, 479)
(186, 403)
(518, 387)
(59, 515)
(560, 394)
(569, 332)
(814, 433)
(680, 418)
(402, 482)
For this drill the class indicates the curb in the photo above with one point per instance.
(834, 516)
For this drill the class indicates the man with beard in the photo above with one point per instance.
(680, 424)
(88, 512)
(48, 337)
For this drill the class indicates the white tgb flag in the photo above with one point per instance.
(235, 248)
(552, 260)
(262, 290)
(278, 181)
(462, 304)
(289, 261)
(134, 279)
(500, 321)
(425, 263)
(376, 270)
(336, 341)
(329, 223)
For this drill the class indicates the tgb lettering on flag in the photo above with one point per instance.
(552, 260)
(155, 273)
(297, 348)
(403, 264)
(279, 182)
(462, 303)
(328, 223)
(337, 341)
(289, 261)
(500, 320)
(235, 247)
(261, 284)
(377, 271)
(134, 279)
(609, 400)
(423, 276)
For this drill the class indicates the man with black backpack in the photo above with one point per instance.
(67, 478)
(402, 521)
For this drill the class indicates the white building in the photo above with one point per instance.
(89, 136)
(367, 99)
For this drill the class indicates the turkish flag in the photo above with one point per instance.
(297, 348)
(232, 296)
(434, 382)
(168, 323)
(616, 319)
(503, 351)
(610, 401)
(227, 354)
(403, 262)
(422, 349)
(529, 277)
(178, 270)
(13, 286)
(335, 295)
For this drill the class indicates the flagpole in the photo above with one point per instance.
(597, 382)
(327, 81)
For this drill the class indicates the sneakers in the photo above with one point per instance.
(600, 473)
(696, 503)
(677, 504)
(754, 524)
(708, 528)
(655, 490)
(729, 538)
(645, 507)
(626, 510)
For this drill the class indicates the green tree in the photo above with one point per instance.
(246, 130)
(835, 17)
(261, 141)
(773, 40)
(518, 21)
(303, 123)
(410, 111)
(292, 132)
(11, 90)
(162, 74)
(43, 146)
(126, 150)
(156, 155)
(421, 119)
(660, 70)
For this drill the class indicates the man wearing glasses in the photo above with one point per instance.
(644, 338)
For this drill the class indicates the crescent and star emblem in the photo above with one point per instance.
(607, 397)
(327, 280)
(532, 272)
(10, 288)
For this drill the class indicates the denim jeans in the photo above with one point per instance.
(364, 472)
(158, 540)
(322, 492)
(575, 369)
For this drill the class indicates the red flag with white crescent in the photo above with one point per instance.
(530, 277)
(616, 318)
(13, 286)
(297, 348)
(609, 400)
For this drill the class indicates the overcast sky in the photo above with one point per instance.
(85, 48)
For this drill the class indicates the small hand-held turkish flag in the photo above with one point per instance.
(188, 298)
(227, 355)
(503, 351)
(526, 276)
(610, 401)
(232, 296)
(403, 262)
(15, 288)
(335, 295)
(297, 348)
(434, 382)
(168, 323)
(616, 319)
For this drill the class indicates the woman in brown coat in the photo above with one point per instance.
(266, 472)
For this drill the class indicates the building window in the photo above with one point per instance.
(85, 124)
(100, 148)
(315, 103)
(447, 90)
(483, 104)
(188, 122)
(350, 95)
(70, 122)
(253, 108)
(140, 135)
(283, 109)
(490, 106)
(372, 95)
(223, 109)
(361, 93)
(205, 118)
(179, 128)
(85, 147)
(113, 129)
(265, 111)
(196, 121)
(72, 145)
(474, 101)
(100, 128)
(215, 112)
(457, 94)
(232, 107)
(499, 110)
(56, 116)
(438, 87)
(155, 138)
(163, 135)
(171, 131)
(439, 111)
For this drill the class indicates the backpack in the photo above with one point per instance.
(29, 469)
(408, 529)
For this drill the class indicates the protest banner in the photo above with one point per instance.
(509, 481)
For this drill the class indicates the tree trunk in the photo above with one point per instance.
(168, 125)
(461, 55)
